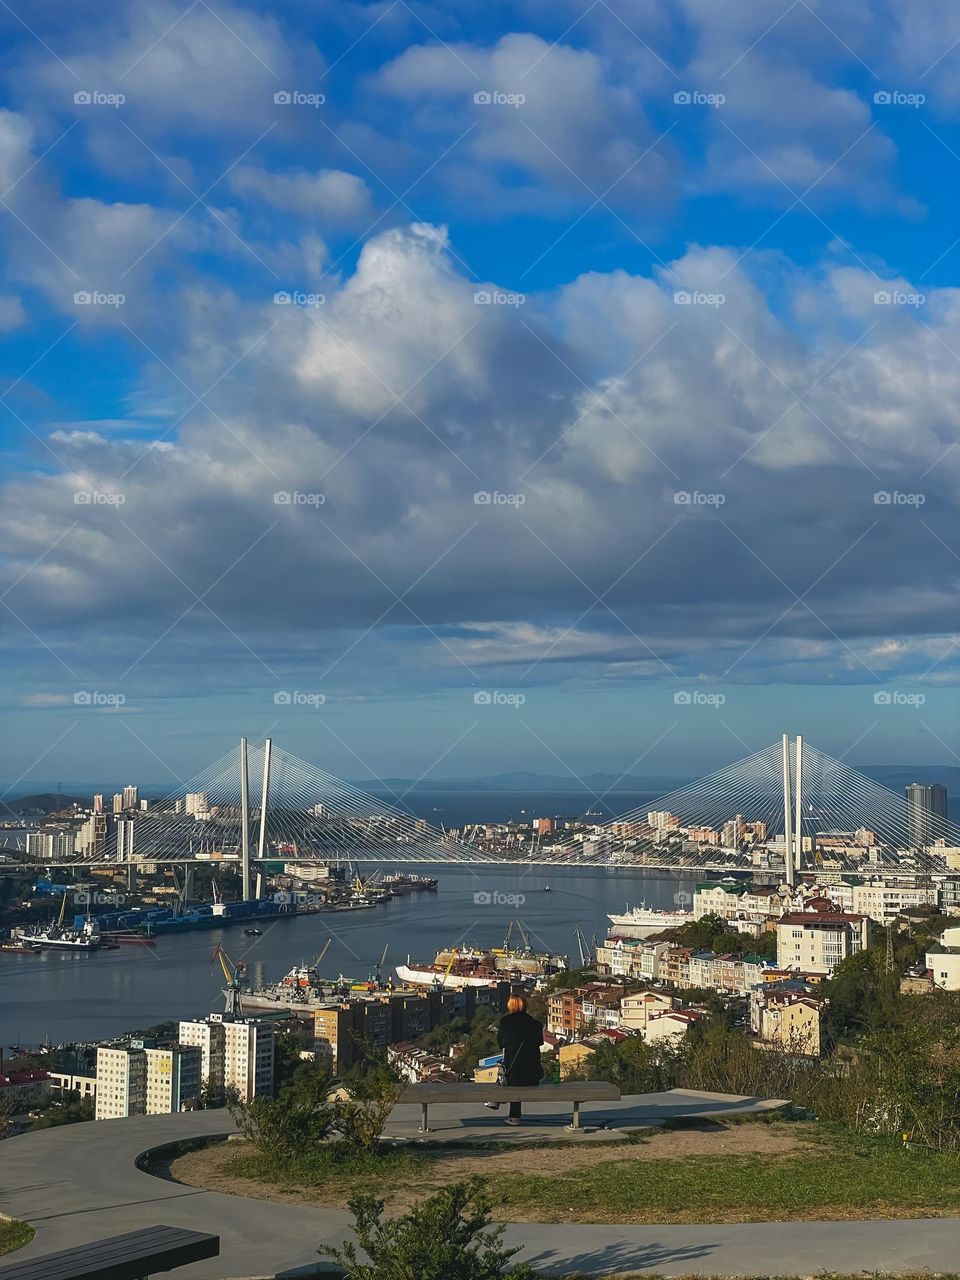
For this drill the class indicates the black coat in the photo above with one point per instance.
(520, 1038)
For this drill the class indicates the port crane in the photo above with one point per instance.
(234, 974)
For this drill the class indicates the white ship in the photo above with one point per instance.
(411, 975)
(642, 921)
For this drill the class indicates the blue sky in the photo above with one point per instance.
(603, 358)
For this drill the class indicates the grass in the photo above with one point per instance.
(14, 1234)
(833, 1174)
(838, 1175)
(351, 1173)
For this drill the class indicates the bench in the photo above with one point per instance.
(132, 1256)
(575, 1091)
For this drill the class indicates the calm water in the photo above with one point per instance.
(63, 997)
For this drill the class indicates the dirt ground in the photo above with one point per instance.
(205, 1168)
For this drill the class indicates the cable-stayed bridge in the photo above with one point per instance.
(259, 804)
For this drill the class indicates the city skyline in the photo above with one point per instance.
(598, 362)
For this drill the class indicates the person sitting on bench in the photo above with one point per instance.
(520, 1037)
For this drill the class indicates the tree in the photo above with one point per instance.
(291, 1126)
(445, 1237)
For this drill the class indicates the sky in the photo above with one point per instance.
(456, 388)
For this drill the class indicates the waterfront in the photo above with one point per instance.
(68, 996)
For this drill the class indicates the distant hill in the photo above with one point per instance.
(44, 802)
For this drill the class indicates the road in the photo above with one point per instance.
(79, 1183)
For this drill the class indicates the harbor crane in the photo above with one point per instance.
(234, 974)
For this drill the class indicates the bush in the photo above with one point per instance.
(292, 1125)
(446, 1237)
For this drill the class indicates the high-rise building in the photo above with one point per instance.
(124, 839)
(131, 798)
(118, 803)
(926, 812)
(98, 804)
(197, 803)
(173, 1078)
(236, 1053)
(121, 1081)
(92, 836)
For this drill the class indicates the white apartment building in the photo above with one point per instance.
(173, 1078)
(637, 1010)
(817, 941)
(121, 1082)
(943, 961)
(629, 958)
(881, 900)
(236, 1053)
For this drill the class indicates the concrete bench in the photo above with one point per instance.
(575, 1091)
(132, 1256)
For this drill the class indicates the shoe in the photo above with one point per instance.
(511, 1120)
(492, 1106)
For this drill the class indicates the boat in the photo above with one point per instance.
(253, 933)
(301, 989)
(473, 967)
(397, 883)
(57, 937)
(642, 921)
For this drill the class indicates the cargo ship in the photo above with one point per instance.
(300, 990)
(400, 884)
(58, 937)
(473, 967)
(206, 915)
(642, 921)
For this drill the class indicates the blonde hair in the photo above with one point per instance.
(517, 1004)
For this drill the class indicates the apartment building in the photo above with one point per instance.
(236, 1054)
(790, 1021)
(819, 940)
(630, 958)
(636, 1010)
(881, 900)
(173, 1078)
(121, 1081)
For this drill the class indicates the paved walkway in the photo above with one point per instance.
(79, 1183)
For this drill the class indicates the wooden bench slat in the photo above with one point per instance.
(571, 1091)
(125, 1257)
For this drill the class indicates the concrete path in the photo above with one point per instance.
(79, 1183)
